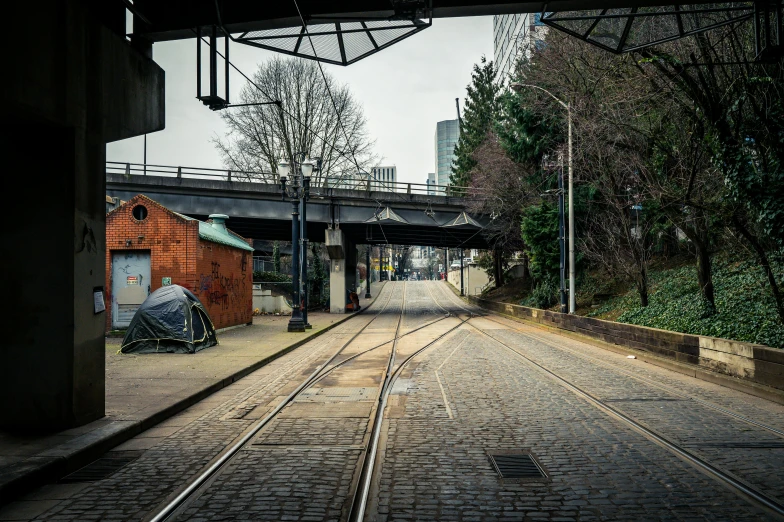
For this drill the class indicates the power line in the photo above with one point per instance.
(262, 91)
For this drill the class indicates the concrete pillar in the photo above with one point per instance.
(342, 269)
(74, 87)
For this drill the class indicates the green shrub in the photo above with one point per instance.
(270, 277)
(745, 310)
(544, 295)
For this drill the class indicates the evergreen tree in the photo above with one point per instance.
(481, 111)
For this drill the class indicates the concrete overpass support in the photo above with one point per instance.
(70, 89)
(342, 269)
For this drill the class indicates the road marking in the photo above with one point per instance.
(440, 385)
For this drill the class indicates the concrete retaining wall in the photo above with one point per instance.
(752, 362)
(474, 279)
(266, 302)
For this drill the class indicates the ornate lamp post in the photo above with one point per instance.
(295, 191)
(306, 167)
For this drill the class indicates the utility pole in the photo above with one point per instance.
(572, 292)
(561, 236)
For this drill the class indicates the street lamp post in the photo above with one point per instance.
(517, 87)
(367, 272)
(462, 291)
(296, 191)
(307, 169)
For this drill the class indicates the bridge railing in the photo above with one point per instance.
(139, 169)
(318, 184)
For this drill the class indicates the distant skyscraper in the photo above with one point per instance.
(431, 182)
(514, 35)
(383, 178)
(447, 134)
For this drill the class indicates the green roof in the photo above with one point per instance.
(221, 235)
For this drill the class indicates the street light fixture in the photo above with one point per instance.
(297, 191)
(517, 87)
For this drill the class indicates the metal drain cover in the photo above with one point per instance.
(517, 466)
(97, 470)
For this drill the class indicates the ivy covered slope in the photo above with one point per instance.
(744, 309)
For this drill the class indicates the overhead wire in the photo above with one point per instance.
(300, 122)
(267, 95)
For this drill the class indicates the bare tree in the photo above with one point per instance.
(306, 121)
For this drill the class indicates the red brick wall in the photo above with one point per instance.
(224, 283)
(177, 252)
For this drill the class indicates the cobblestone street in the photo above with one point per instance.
(463, 386)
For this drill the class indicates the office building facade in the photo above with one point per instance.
(383, 178)
(447, 134)
(431, 183)
(514, 35)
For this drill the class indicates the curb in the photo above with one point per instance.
(53, 464)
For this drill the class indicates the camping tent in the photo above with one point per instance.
(171, 320)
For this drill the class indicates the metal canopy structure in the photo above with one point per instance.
(386, 215)
(634, 28)
(338, 43)
(463, 220)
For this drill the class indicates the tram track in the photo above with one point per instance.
(638, 378)
(748, 491)
(665, 388)
(738, 485)
(171, 508)
(201, 482)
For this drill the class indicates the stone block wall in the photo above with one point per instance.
(752, 362)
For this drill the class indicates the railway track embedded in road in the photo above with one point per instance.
(201, 482)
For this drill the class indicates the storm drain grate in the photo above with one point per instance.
(97, 470)
(517, 466)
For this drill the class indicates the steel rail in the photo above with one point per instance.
(456, 301)
(746, 490)
(359, 505)
(344, 361)
(172, 506)
(662, 387)
(362, 500)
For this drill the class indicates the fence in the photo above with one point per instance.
(267, 264)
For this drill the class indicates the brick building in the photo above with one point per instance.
(148, 246)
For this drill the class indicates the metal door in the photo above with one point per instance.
(130, 284)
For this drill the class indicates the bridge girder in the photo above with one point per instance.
(258, 211)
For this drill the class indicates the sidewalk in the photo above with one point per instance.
(143, 390)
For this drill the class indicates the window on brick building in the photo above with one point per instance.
(139, 212)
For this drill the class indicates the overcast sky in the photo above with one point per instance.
(404, 90)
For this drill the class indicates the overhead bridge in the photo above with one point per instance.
(398, 214)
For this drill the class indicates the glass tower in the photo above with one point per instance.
(513, 35)
(447, 134)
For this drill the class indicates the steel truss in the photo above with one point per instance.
(625, 30)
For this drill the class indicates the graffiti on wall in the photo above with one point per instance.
(223, 289)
